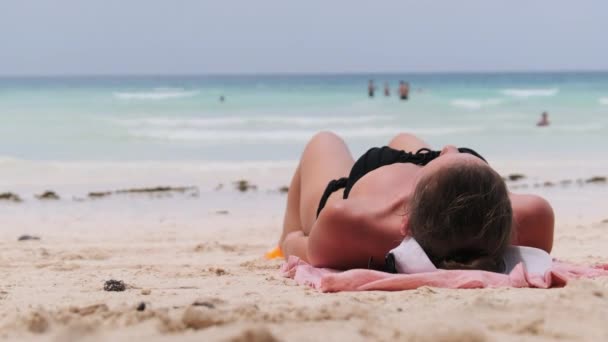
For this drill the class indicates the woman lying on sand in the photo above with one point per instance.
(451, 202)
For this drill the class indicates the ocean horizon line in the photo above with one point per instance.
(302, 74)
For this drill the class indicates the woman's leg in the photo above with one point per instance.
(325, 157)
(407, 142)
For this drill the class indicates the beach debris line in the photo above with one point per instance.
(48, 195)
(515, 177)
(243, 185)
(114, 285)
(9, 196)
(28, 238)
(596, 179)
(192, 190)
(99, 194)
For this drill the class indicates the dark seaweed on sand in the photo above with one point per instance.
(9, 196)
(243, 185)
(48, 195)
(516, 176)
(157, 189)
(596, 179)
(99, 194)
(114, 285)
(28, 238)
(151, 191)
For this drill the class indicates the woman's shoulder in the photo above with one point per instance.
(533, 220)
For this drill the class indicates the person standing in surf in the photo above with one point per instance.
(404, 90)
(371, 88)
(387, 89)
(544, 120)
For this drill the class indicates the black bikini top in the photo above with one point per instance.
(381, 156)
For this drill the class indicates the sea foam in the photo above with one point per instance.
(287, 135)
(475, 103)
(216, 121)
(603, 101)
(525, 93)
(156, 94)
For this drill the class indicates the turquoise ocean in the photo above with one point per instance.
(269, 118)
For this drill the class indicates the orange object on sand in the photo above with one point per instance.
(274, 253)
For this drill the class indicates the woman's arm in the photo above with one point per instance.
(533, 221)
(348, 233)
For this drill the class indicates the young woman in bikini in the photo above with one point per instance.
(344, 214)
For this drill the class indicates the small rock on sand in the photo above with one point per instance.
(146, 292)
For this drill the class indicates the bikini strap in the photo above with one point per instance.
(334, 185)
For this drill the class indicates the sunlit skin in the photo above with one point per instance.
(374, 219)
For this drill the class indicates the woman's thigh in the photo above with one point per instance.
(407, 142)
(326, 157)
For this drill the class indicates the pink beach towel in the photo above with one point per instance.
(328, 280)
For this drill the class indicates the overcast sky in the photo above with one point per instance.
(309, 36)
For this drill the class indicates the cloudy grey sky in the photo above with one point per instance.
(268, 36)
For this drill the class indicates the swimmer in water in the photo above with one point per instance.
(371, 88)
(387, 89)
(544, 120)
(404, 90)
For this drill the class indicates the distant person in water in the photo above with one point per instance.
(371, 88)
(404, 90)
(387, 89)
(222, 98)
(544, 120)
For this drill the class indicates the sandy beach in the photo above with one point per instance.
(147, 149)
(193, 269)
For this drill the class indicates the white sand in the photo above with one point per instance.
(183, 251)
